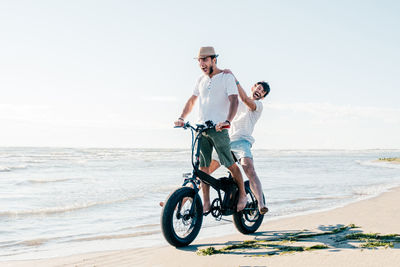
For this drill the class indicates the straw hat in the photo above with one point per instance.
(206, 51)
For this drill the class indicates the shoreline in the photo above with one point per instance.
(207, 232)
(377, 214)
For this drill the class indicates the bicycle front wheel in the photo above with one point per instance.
(181, 217)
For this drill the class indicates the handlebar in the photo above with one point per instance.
(201, 127)
(195, 138)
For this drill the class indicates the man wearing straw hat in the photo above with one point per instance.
(218, 101)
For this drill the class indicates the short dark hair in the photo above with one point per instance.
(265, 86)
(214, 56)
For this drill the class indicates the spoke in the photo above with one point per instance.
(183, 224)
(251, 214)
(178, 212)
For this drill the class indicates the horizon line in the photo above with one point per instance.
(185, 148)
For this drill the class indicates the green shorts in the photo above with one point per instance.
(221, 142)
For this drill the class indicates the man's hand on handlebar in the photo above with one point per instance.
(179, 123)
(222, 125)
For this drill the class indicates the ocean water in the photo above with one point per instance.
(63, 201)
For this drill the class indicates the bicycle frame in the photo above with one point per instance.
(217, 184)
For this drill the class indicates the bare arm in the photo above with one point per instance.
(233, 106)
(186, 110)
(188, 106)
(242, 94)
(245, 99)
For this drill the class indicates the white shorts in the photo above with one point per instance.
(241, 148)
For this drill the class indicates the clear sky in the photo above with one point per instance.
(117, 73)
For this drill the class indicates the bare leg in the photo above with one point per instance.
(214, 165)
(255, 184)
(237, 176)
(206, 191)
(205, 187)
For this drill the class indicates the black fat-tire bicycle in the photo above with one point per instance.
(182, 213)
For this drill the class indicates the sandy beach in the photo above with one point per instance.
(390, 160)
(343, 237)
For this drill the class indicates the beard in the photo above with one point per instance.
(256, 96)
(210, 70)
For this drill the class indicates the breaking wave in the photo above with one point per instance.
(44, 181)
(64, 209)
(11, 168)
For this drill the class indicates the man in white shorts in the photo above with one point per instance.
(249, 111)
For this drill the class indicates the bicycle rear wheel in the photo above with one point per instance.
(250, 219)
(181, 217)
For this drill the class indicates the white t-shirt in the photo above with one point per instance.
(213, 96)
(243, 124)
